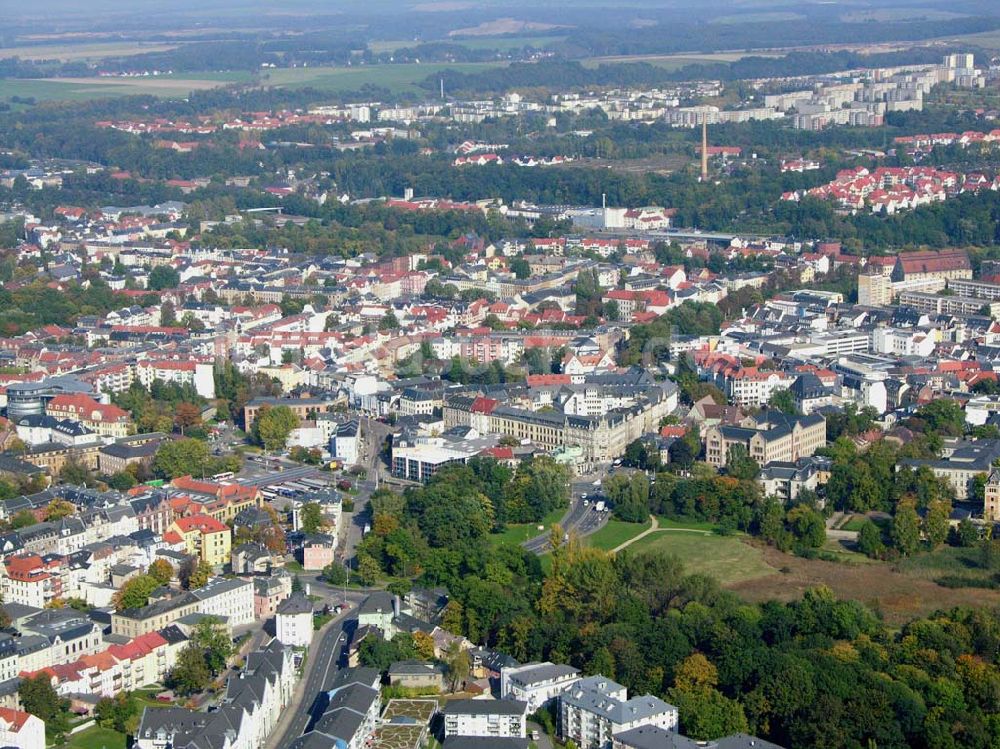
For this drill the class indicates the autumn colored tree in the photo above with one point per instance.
(186, 415)
(200, 575)
(58, 509)
(161, 570)
(424, 645)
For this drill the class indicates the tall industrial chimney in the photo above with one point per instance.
(704, 147)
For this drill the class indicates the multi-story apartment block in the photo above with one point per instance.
(204, 537)
(230, 599)
(595, 709)
(493, 718)
(536, 684)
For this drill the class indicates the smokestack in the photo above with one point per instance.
(442, 89)
(704, 147)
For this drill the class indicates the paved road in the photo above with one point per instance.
(322, 664)
(581, 519)
(278, 477)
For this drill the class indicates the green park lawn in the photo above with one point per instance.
(518, 533)
(725, 558)
(96, 738)
(614, 534)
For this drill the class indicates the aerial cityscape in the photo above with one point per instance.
(467, 375)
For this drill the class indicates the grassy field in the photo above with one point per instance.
(96, 738)
(614, 533)
(726, 558)
(986, 39)
(693, 525)
(397, 78)
(83, 52)
(946, 561)
(519, 533)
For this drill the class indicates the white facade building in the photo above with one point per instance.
(492, 718)
(229, 598)
(594, 709)
(294, 621)
(537, 684)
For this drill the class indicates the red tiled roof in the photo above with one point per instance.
(202, 523)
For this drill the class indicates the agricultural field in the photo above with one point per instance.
(676, 62)
(82, 89)
(83, 52)
(503, 43)
(989, 40)
(399, 79)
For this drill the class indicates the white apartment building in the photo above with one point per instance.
(902, 342)
(594, 709)
(752, 387)
(198, 374)
(21, 729)
(490, 718)
(228, 598)
(294, 621)
(537, 684)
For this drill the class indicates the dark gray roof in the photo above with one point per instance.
(296, 603)
(415, 667)
(485, 707)
(654, 737)
(484, 742)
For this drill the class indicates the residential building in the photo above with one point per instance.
(20, 729)
(378, 610)
(536, 684)
(495, 718)
(595, 709)
(230, 599)
(417, 675)
(248, 711)
(204, 537)
(294, 621)
(268, 592)
(344, 444)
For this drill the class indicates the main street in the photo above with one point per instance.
(326, 656)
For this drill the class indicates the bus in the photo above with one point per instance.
(224, 476)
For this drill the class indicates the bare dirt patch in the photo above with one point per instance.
(901, 597)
